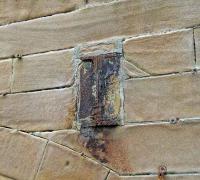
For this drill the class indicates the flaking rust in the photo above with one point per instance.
(100, 90)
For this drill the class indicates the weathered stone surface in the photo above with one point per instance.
(5, 75)
(161, 98)
(62, 163)
(12, 11)
(161, 54)
(37, 111)
(197, 43)
(113, 176)
(69, 138)
(4, 178)
(138, 149)
(130, 70)
(42, 71)
(99, 48)
(94, 23)
(20, 154)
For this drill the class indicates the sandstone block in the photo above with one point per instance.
(13, 11)
(37, 111)
(42, 71)
(20, 154)
(162, 98)
(162, 54)
(62, 163)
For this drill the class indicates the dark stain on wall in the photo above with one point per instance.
(99, 90)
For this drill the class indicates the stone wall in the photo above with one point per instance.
(155, 95)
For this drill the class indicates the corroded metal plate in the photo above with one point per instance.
(99, 101)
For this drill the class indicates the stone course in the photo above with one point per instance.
(49, 48)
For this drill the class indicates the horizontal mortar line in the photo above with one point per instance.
(156, 173)
(165, 75)
(32, 131)
(36, 90)
(38, 53)
(155, 34)
(163, 122)
(141, 123)
(97, 4)
(196, 26)
(137, 123)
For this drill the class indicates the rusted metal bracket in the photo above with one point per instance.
(162, 170)
(99, 85)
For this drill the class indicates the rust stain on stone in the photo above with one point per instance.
(99, 90)
(71, 113)
(99, 106)
(104, 147)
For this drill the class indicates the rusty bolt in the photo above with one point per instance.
(173, 120)
(162, 170)
(194, 71)
(18, 56)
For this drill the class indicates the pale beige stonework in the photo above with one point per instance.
(62, 163)
(162, 98)
(42, 71)
(42, 43)
(5, 178)
(197, 45)
(113, 176)
(162, 54)
(20, 154)
(37, 111)
(94, 23)
(13, 11)
(132, 71)
(5, 75)
(97, 48)
(140, 149)
(69, 138)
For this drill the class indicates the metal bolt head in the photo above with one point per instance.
(162, 170)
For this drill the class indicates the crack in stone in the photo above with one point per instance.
(41, 161)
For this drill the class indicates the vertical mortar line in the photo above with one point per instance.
(194, 46)
(122, 83)
(12, 76)
(107, 175)
(41, 161)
